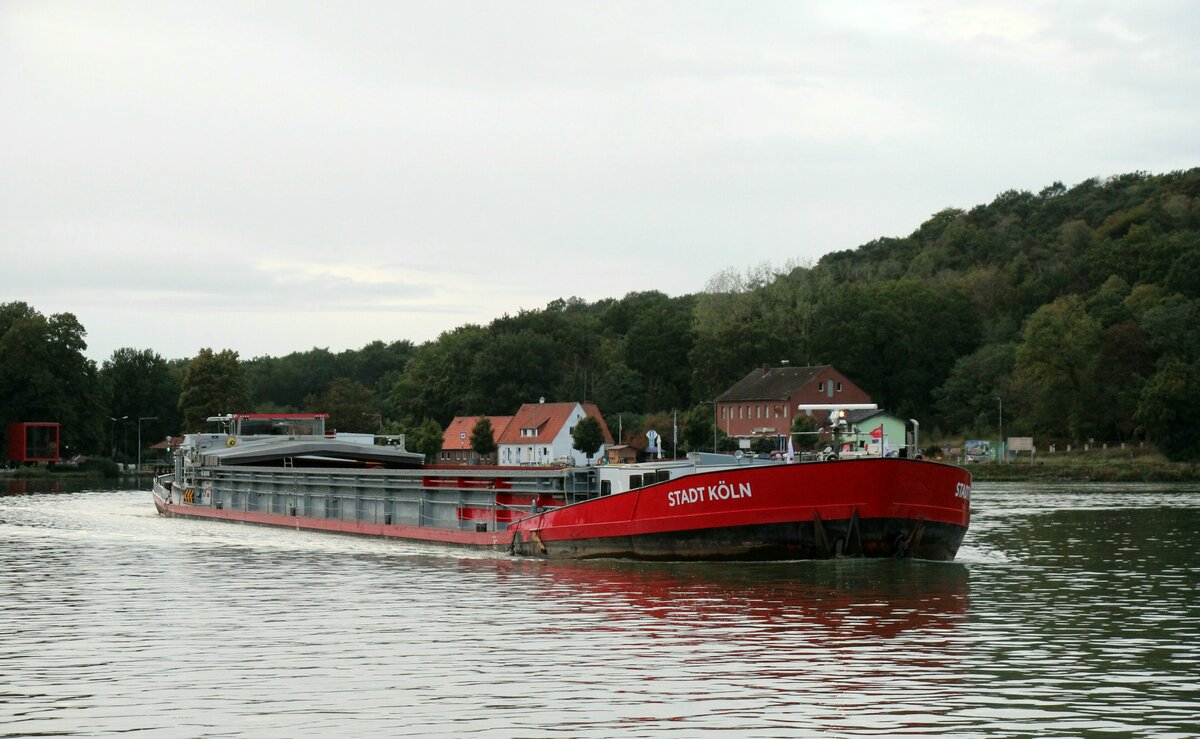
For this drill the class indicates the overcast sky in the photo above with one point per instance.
(272, 177)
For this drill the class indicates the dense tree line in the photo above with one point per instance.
(1077, 308)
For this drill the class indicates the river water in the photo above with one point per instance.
(1072, 610)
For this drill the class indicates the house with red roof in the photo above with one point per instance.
(540, 433)
(764, 402)
(456, 439)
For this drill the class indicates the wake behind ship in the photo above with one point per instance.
(283, 470)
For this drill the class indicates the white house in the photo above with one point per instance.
(540, 433)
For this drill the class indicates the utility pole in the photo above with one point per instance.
(1001, 404)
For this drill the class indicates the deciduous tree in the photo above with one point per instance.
(483, 438)
(1169, 407)
(587, 436)
(214, 383)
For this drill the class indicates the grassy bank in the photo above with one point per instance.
(95, 469)
(1102, 472)
(1108, 465)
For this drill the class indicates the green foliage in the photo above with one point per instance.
(435, 382)
(1055, 368)
(425, 438)
(967, 400)
(511, 369)
(141, 384)
(620, 388)
(1170, 405)
(214, 384)
(1126, 361)
(350, 405)
(896, 340)
(45, 377)
(483, 438)
(1173, 327)
(765, 444)
(696, 428)
(803, 430)
(587, 436)
(100, 467)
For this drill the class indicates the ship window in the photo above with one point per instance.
(664, 475)
(635, 482)
(605, 487)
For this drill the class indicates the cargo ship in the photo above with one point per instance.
(284, 470)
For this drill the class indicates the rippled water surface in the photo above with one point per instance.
(1072, 611)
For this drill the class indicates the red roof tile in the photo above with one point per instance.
(548, 419)
(458, 433)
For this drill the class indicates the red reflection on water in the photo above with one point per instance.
(871, 597)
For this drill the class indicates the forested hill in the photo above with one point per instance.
(1077, 308)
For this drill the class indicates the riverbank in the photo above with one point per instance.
(1097, 469)
(108, 472)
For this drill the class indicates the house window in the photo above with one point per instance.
(740, 410)
(785, 410)
(839, 387)
(820, 387)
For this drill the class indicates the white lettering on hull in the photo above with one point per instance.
(721, 491)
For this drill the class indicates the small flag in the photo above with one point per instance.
(877, 433)
(791, 453)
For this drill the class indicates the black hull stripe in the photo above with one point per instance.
(778, 541)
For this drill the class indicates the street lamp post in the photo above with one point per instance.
(143, 418)
(112, 436)
(1001, 412)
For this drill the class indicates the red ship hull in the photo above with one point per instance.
(868, 507)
